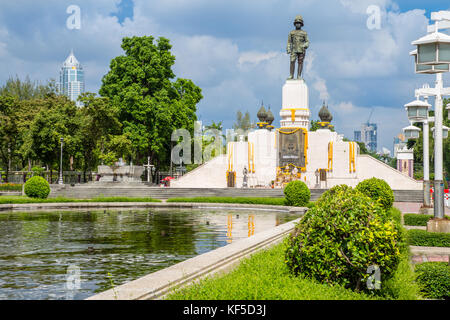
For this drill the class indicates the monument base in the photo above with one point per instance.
(438, 225)
(120, 173)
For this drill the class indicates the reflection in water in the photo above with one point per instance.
(37, 248)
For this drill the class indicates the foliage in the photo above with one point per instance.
(150, 106)
(37, 187)
(264, 276)
(417, 145)
(344, 234)
(428, 239)
(243, 123)
(434, 279)
(378, 190)
(242, 200)
(297, 194)
(10, 187)
(412, 219)
(21, 200)
(27, 89)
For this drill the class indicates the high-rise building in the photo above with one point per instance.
(367, 135)
(71, 78)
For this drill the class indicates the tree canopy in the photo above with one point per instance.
(150, 104)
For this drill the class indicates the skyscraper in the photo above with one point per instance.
(71, 78)
(368, 135)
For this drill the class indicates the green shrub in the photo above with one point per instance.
(412, 219)
(297, 194)
(434, 279)
(341, 236)
(37, 187)
(242, 200)
(378, 190)
(428, 239)
(10, 187)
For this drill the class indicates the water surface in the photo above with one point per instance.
(37, 248)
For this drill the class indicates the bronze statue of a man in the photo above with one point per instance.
(297, 44)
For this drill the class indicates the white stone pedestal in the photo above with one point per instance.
(295, 105)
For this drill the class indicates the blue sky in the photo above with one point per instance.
(235, 51)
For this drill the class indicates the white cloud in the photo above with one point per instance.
(255, 57)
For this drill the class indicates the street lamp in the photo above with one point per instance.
(417, 110)
(444, 132)
(448, 111)
(60, 163)
(433, 57)
(411, 132)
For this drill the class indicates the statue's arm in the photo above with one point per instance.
(289, 44)
(306, 45)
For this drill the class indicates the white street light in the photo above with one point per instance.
(444, 132)
(417, 110)
(434, 50)
(429, 69)
(448, 111)
(411, 132)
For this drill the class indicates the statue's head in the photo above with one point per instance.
(298, 22)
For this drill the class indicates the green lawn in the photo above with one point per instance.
(265, 276)
(23, 199)
(240, 200)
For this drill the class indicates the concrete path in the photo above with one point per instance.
(413, 207)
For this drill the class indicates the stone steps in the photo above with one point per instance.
(91, 191)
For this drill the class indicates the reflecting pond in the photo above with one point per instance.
(106, 248)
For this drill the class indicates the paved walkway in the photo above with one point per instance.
(413, 207)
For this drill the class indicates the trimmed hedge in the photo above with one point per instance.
(345, 233)
(241, 200)
(10, 187)
(377, 189)
(20, 200)
(428, 239)
(412, 219)
(37, 187)
(297, 194)
(434, 279)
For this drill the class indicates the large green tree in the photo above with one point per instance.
(98, 124)
(56, 119)
(150, 104)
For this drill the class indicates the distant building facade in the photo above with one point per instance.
(71, 78)
(405, 156)
(368, 135)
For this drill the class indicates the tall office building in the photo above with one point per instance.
(368, 135)
(71, 78)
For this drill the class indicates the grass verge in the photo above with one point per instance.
(428, 239)
(265, 276)
(434, 279)
(10, 187)
(241, 200)
(23, 199)
(412, 219)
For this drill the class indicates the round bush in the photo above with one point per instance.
(344, 234)
(378, 190)
(37, 187)
(297, 194)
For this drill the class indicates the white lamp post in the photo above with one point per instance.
(434, 50)
(61, 181)
(448, 109)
